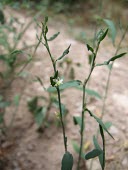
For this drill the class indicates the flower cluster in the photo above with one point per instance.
(58, 82)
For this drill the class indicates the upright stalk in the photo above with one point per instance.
(61, 120)
(108, 82)
(84, 106)
(109, 74)
(57, 88)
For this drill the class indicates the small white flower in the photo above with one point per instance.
(58, 82)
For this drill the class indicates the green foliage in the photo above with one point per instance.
(92, 154)
(64, 53)
(99, 121)
(74, 83)
(101, 156)
(77, 149)
(112, 29)
(40, 111)
(67, 161)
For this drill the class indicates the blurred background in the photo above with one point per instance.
(30, 131)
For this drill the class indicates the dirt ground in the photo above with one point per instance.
(27, 149)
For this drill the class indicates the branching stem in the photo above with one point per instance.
(84, 103)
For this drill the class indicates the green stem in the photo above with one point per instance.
(107, 84)
(58, 91)
(84, 103)
(61, 120)
(109, 74)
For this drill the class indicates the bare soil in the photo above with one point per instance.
(24, 148)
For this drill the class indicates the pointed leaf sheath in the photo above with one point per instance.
(54, 36)
(64, 53)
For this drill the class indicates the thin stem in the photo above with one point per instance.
(57, 88)
(107, 84)
(61, 120)
(49, 52)
(109, 74)
(84, 103)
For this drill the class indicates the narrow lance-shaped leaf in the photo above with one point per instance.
(112, 28)
(116, 57)
(111, 59)
(90, 58)
(77, 148)
(45, 19)
(77, 120)
(102, 64)
(67, 161)
(90, 48)
(66, 85)
(108, 124)
(64, 53)
(99, 121)
(54, 36)
(97, 146)
(16, 52)
(91, 92)
(92, 154)
(39, 115)
(103, 140)
(101, 35)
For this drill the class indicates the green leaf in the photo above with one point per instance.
(77, 149)
(54, 36)
(111, 59)
(69, 84)
(67, 161)
(64, 53)
(110, 66)
(4, 104)
(1, 118)
(3, 57)
(101, 35)
(99, 121)
(112, 29)
(16, 99)
(90, 58)
(97, 146)
(39, 115)
(115, 57)
(90, 48)
(46, 19)
(103, 140)
(2, 18)
(91, 92)
(108, 124)
(32, 104)
(92, 154)
(15, 52)
(102, 64)
(77, 120)
(46, 30)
